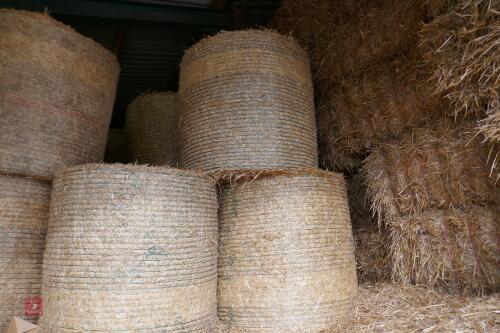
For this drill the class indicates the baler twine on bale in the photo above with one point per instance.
(153, 128)
(286, 261)
(131, 249)
(246, 103)
(57, 90)
(24, 212)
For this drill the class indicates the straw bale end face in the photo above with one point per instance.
(454, 249)
(432, 167)
(286, 261)
(372, 107)
(246, 103)
(57, 90)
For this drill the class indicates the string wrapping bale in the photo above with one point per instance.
(24, 212)
(390, 307)
(286, 261)
(152, 126)
(437, 166)
(57, 90)
(365, 110)
(371, 241)
(453, 249)
(344, 37)
(131, 249)
(117, 146)
(246, 103)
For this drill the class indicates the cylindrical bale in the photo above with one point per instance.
(131, 249)
(57, 90)
(286, 257)
(24, 212)
(246, 103)
(152, 127)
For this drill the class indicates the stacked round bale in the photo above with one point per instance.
(24, 210)
(371, 240)
(117, 146)
(57, 90)
(131, 249)
(286, 261)
(152, 128)
(461, 48)
(432, 189)
(246, 103)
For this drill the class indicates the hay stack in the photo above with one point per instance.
(452, 248)
(117, 147)
(431, 167)
(247, 103)
(152, 126)
(462, 48)
(393, 308)
(57, 90)
(24, 209)
(344, 37)
(368, 109)
(371, 241)
(131, 248)
(286, 261)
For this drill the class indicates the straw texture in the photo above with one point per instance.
(454, 249)
(117, 146)
(437, 166)
(392, 308)
(344, 37)
(131, 249)
(371, 241)
(462, 48)
(57, 90)
(24, 210)
(286, 261)
(247, 103)
(152, 126)
(365, 110)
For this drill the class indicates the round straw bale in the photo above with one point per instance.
(117, 146)
(456, 249)
(347, 36)
(57, 90)
(286, 261)
(365, 110)
(152, 126)
(437, 166)
(463, 51)
(391, 307)
(247, 103)
(24, 212)
(371, 241)
(131, 249)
